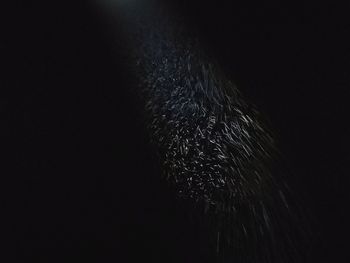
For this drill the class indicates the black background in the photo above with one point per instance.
(79, 180)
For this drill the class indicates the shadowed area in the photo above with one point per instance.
(80, 178)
